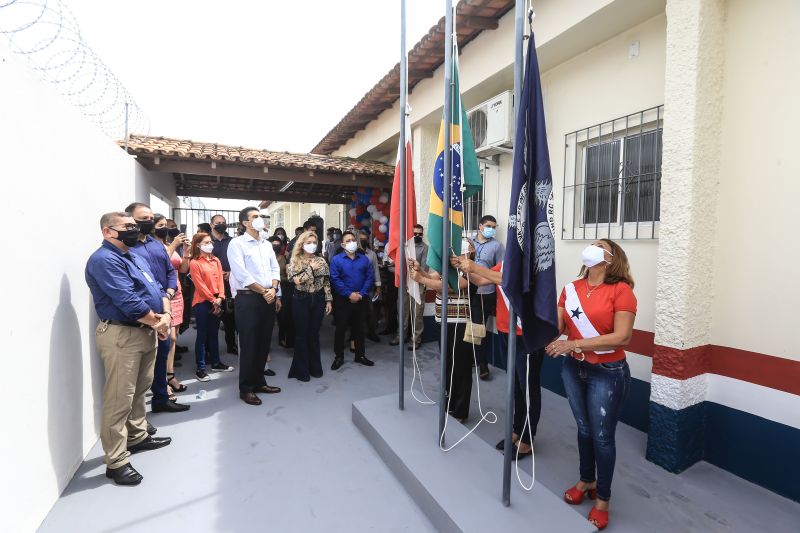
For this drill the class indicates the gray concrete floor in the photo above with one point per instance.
(297, 463)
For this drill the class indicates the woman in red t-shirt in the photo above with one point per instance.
(596, 312)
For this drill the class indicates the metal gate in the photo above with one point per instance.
(189, 218)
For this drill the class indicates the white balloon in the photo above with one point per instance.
(382, 228)
(353, 212)
(383, 198)
(384, 219)
(371, 209)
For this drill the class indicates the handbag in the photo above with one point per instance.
(474, 333)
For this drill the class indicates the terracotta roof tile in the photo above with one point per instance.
(182, 149)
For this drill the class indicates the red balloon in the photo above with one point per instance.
(360, 209)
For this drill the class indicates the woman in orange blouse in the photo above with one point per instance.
(209, 293)
(596, 312)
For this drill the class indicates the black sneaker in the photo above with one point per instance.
(202, 375)
(337, 363)
(364, 361)
(221, 367)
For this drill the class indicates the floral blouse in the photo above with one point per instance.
(313, 276)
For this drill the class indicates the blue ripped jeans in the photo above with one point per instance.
(596, 394)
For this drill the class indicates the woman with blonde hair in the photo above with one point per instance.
(596, 312)
(311, 300)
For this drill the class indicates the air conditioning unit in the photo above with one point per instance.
(492, 125)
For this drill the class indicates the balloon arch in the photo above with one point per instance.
(369, 208)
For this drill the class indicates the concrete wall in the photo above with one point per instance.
(59, 174)
(754, 295)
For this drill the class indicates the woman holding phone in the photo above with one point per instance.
(596, 312)
(209, 293)
(161, 233)
(311, 298)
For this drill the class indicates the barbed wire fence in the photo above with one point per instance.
(48, 35)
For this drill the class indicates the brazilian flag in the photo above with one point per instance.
(464, 167)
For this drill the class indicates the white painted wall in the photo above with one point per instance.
(59, 174)
(756, 256)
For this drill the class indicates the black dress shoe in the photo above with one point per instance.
(151, 429)
(514, 455)
(484, 371)
(170, 407)
(337, 363)
(124, 475)
(374, 338)
(412, 346)
(150, 443)
(269, 372)
(181, 349)
(250, 398)
(268, 389)
(364, 361)
(233, 350)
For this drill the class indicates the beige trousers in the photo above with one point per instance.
(419, 310)
(128, 355)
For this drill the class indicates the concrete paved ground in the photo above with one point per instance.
(297, 463)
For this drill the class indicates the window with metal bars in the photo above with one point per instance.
(612, 178)
(473, 206)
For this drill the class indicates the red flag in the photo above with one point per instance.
(396, 236)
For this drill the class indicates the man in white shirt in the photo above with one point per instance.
(255, 285)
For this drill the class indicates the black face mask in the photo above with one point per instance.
(173, 232)
(365, 243)
(418, 239)
(220, 228)
(337, 237)
(128, 237)
(277, 248)
(145, 226)
(162, 233)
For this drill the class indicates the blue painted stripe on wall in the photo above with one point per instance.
(676, 438)
(754, 448)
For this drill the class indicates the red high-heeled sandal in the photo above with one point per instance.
(574, 496)
(598, 518)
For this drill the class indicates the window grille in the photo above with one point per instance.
(473, 206)
(612, 178)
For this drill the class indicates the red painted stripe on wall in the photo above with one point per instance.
(642, 342)
(760, 369)
(766, 370)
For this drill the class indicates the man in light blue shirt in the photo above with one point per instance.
(488, 253)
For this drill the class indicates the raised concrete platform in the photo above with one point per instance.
(458, 490)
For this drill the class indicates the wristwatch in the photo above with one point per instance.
(577, 348)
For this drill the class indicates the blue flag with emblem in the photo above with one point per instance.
(529, 270)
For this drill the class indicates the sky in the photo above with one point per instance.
(271, 74)
(274, 74)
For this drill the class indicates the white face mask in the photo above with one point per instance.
(207, 248)
(258, 224)
(594, 255)
(351, 246)
(310, 247)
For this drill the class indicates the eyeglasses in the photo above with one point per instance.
(127, 227)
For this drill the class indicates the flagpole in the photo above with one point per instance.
(402, 237)
(446, 200)
(508, 449)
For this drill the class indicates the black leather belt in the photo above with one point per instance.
(244, 292)
(138, 325)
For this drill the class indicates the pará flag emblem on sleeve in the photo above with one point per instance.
(529, 270)
(464, 170)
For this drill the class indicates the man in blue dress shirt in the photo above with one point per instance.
(155, 255)
(352, 280)
(134, 314)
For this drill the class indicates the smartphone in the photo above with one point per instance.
(183, 228)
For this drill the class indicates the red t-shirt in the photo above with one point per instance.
(599, 308)
(501, 313)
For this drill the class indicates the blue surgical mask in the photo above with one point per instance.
(489, 232)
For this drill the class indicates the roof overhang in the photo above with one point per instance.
(221, 171)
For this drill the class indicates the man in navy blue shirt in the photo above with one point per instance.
(220, 239)
(133, 314)
(155, 255)
(352, 280)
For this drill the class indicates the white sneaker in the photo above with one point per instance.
(202, 375)
(221, 367)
